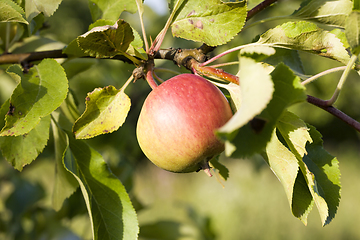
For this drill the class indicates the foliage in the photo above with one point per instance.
(43, 108)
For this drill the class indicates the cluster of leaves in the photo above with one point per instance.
(262, 124)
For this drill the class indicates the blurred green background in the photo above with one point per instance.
(253, 204)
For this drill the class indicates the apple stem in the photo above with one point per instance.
(206, 167)
(213, 72)
(149, 75)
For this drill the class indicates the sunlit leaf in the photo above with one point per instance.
(307, 37)
(295, 133)
(22, 150)
(256, 92)
(111, 212)
(296, 136)
(110, 9)
(33, 10)
(333, 13)
(106, 110)
(323, 177)
(11, 12)
(283, 163)
(40, 92)
(213, 22)
(352, 31)
(253, 137)
(107, 41)
(34, 7)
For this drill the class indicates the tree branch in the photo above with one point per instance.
(258, 8)
(334, 111)
(25, 58)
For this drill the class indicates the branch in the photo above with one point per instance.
(30, 57)
(334, 111)
(25, 58)
(258, 8)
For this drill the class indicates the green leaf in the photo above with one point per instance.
(11, 12)
(111, 212)
(106, 110)
(283, 163)
(290, 58)
(107, 41)
(65, 184)
(110, 9)
(302, 201)
(307, 37)
(333, 13)
(136, 46)
(34, 7)
(352, 32)
(253, 137)
(22, 150)
(213, 22)
(256, 92)
(323, 177)
(296, 135)
(40, 92)
(223, 170)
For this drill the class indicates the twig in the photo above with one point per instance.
(12, 58)
(258, 8)
(334, 111)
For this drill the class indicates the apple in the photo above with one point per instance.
(177, 123)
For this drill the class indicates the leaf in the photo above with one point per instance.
(323, 177)
(11, 12)
(106, 110)
(34, 7)
(22, 150)
(223, 170)
(290, 58)
(65, 184)
(302, 201)
(111, 212)
(213, 22)
(40, 92)
(110, 9)
(136, 46)
(307, 37)
(253, 137)
(283, 163)
(320, 169)
(256, 92)
(352, 32)
(296, 135)
(107, 41)
(333, 13)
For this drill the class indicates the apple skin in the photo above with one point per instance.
(176, 125)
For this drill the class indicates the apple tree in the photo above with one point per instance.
(255, 116)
